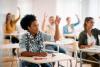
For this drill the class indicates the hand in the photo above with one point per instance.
(18, 8)
(99, 17)
(88, 46)
(77, 16)
(45, 16)
(57, 21)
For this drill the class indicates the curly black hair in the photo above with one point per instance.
(27, 21)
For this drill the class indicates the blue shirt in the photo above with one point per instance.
(65, 28)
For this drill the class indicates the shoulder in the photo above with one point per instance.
(95, 29)
(44, 34)
(65, 26)
(24, 36)
(83, 33)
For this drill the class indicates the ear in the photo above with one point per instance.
(28, 28)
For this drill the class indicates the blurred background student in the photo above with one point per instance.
(9, 28)
(49, 28)
(68, 29)
(89, 38)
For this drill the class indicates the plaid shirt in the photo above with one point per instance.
(34, 43)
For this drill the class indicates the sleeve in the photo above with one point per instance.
(22, 43)
(75, 24)
(64, 30)
(47, 37)
(82, 39)
(98, 31)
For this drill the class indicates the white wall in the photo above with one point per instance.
(91, 8)
(67, 8)
(5, 7)
(63, 8)
(38, 8)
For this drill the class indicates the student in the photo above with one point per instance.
(50, 29)
(69, 27)
(10, 27)
(89, 38)
(32, 41)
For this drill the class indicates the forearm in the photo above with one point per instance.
(26, 54)
(85, 46)
(16, 19)
(44, 26)
(30, 54)
(57, 33)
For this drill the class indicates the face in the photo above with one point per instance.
(68, 20)
(89, 24)
(51, 20)
(34, 28)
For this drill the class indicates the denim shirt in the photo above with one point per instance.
(65, 28)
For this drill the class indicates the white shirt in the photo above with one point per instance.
(91, 39)
(70, 28)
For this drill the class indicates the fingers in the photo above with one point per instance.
(58, 19)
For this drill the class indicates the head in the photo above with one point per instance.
(51, 20)
(88, 23)
(29, 23)
(68, 19)
(8, 16)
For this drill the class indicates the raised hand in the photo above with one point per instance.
(77, 16)
(18, 8)
(57, 21)
(99, 17)
(44, 17)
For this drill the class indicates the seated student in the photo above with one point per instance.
(10, 27)
(89, 38)
(50, 29)
(32, 41)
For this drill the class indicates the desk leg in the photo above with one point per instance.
(39, 65)
(80, 58)
(70, 63)
(58, 63)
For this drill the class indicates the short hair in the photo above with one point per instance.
(68, 18)
(51, 17)
(27, 21)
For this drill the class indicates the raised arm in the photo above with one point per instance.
(44, 23)
(78, 20)
(16, 19)
(57, 31)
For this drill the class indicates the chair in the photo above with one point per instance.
(6, 54)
